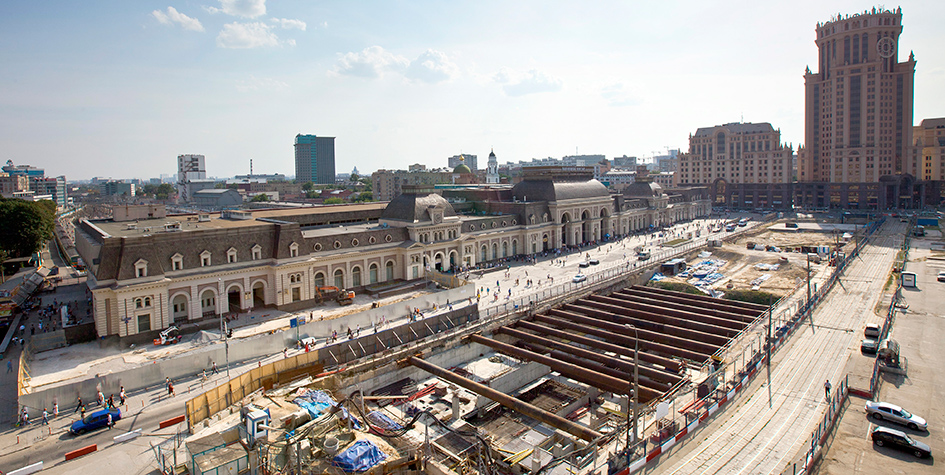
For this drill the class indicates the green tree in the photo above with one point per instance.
(334, 201)
(260, 198)
(307, 186)
(354, 177)
(365, 196)
(164, 191)
(25, 225)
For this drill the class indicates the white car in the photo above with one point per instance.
(941, 276)
(579, 278)
(891, 412)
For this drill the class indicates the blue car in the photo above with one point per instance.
(95, 420)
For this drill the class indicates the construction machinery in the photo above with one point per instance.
(169, 336)
(342, 296)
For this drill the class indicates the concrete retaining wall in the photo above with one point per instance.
(191, 364)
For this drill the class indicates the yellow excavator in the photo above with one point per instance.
(342, 296)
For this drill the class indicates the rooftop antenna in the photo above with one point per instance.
(250, 168)
(743, 117)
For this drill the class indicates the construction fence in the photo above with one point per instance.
(335, 356)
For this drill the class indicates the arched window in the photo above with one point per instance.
(372, 274)
(505, 249)
(356, 276)
(339, 278)
(485, 253)
(390, 270)
(147, 301)
(514, 247)
(139, 303)
(319, 279)
(495, 251)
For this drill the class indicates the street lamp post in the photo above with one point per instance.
(635, 389)
(226, 341)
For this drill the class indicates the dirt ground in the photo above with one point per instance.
(740, 270)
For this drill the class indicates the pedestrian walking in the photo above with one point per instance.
(82, 414)
(101, 398)
(214, 364)
(285, 352)
(55, 409)
(26, 416)
(109, 420)
(827, 389)
(111, 400)
(9, 366)
(167, 382)
(121, 392)
(78, 405)
(170, 389)
(45, 417)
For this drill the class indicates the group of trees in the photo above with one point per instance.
(159, 192)
(25, 226)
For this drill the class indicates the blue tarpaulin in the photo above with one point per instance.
(359, 457)
(318, 402)
(381, 420)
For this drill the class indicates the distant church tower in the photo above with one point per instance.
(492, 170)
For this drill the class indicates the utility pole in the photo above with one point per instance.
(769, 351)
(635, 389)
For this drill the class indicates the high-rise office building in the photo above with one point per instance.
(191, 176)
(314, 159)
(858, 114)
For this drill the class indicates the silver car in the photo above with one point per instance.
(891, 412)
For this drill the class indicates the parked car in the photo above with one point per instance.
(579, 278)
(593, 262)
(897, 439)
(584, 264)
(891, 412)
(941, 276)
(872, 330)
(95, 420)
(869, 346)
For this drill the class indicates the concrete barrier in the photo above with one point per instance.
(127, 436)
(27, 469)
(172, 421)
(80, 452)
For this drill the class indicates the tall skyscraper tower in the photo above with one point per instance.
(314, 159)
(190, 167)
(492, 169)
(858, 114)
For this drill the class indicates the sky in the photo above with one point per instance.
(120, 89)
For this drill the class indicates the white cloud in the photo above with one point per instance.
(260, 84)
(241, 8)
(288, 24)
(432, 66)
(372, 62)
(530, 82)
(246, 35)
(619, 95)
(173, 16)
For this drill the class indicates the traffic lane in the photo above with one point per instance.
(51, 449)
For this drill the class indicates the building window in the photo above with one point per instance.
(141, 268)
(390, 270)
(231, 256)
(177, 262)
(372, 274)
(257, 252)
(144, 323)
(205, 259)
(319, 279)
(339, 279)
(356, 276)
(293, 250)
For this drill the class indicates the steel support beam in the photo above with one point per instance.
(577, 373)
(668, 324)
(672, 365)
(623, 366)
(686, 312)
(571, 321)
(648, 330)
(748, 311)
(512, 403)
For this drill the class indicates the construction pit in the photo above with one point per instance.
(547, 389)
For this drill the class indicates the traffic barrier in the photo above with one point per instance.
(127, 436)
(27, 469)
(171, 421)
(80, 452)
